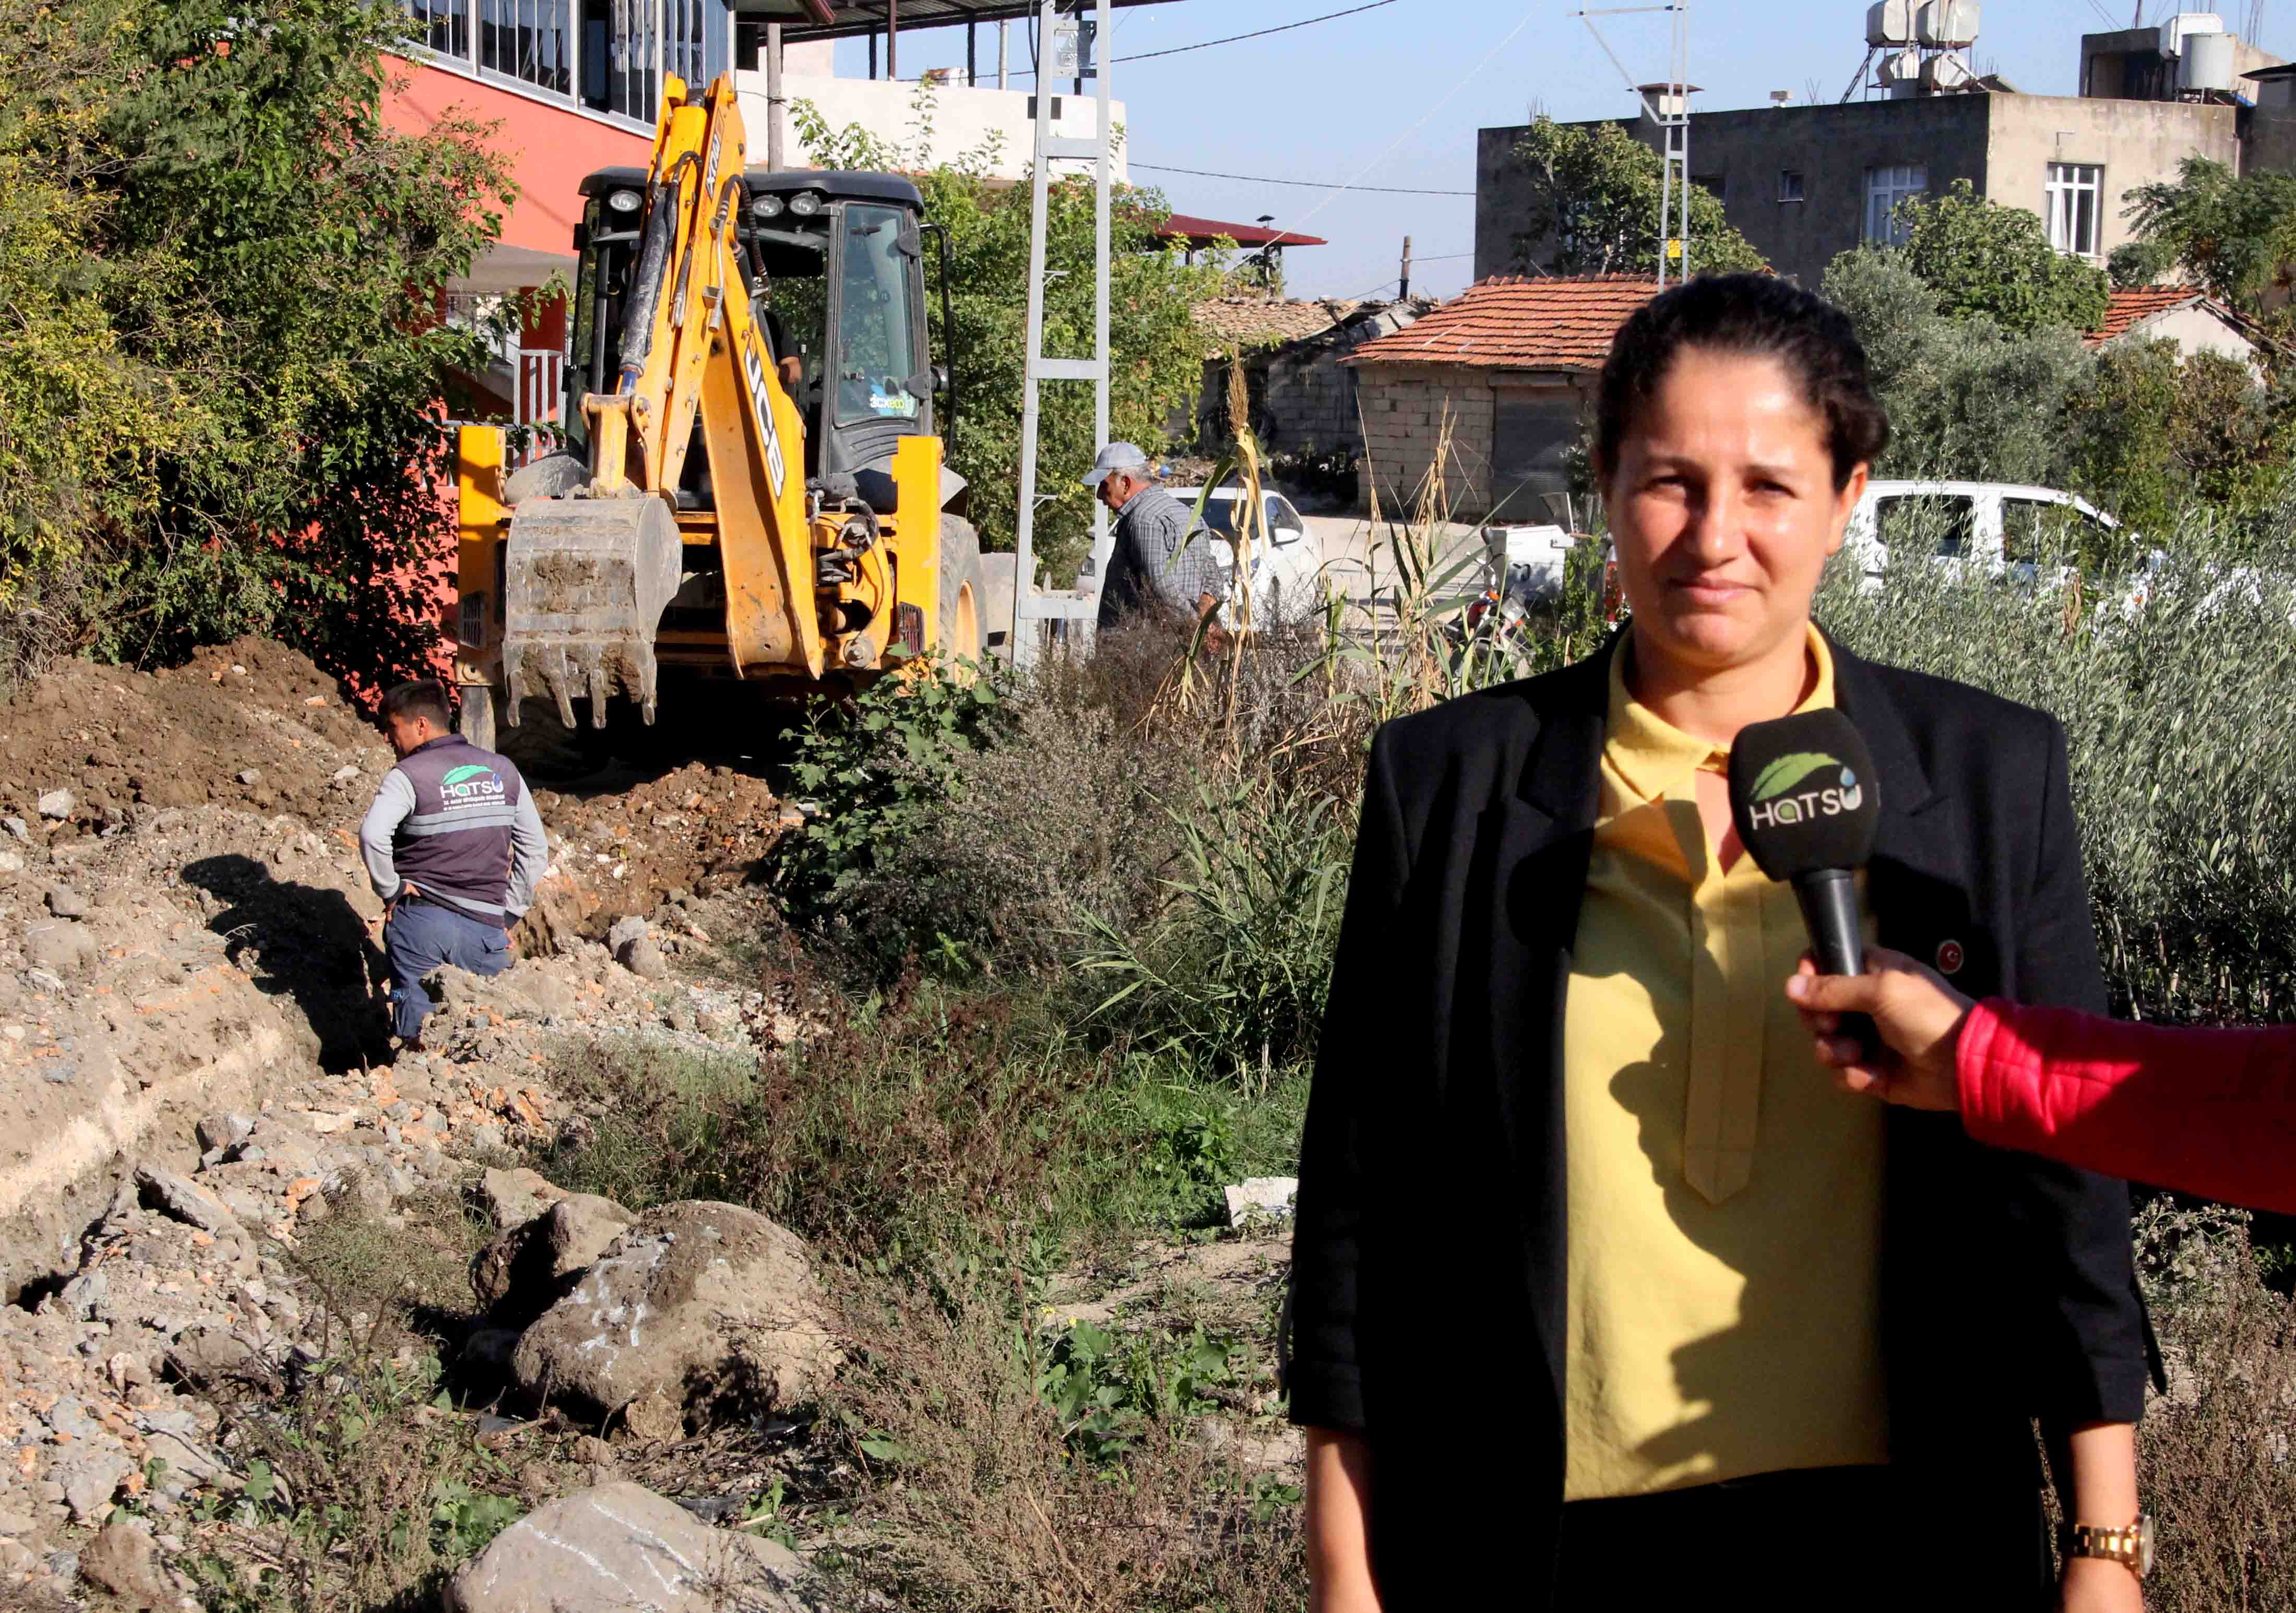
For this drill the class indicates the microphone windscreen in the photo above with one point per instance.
(1803, 795)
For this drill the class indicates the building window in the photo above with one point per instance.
(2072, 193)
(443, 27)
(1789, 186)
(607, 55)
(526, 40)
(685, 49)
(1885, 189)
(619, 45)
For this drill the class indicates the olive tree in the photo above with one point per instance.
(1594, 194)
(1966, 397)
(1981, 257)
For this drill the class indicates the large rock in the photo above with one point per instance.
(120, 1561)
(512, 1198)
(529, 1268)
(517, 994)
(186, 1200)
(694, 1301)
(619, 1548)
(61, 945)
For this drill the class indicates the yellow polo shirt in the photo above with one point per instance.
(1725, 1200)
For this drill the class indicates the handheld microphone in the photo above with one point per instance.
(1807, 805)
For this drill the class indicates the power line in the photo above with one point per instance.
(1181, 49)
(1311, 184)
(1396, 144)
(1415, 261)
(1283, 27)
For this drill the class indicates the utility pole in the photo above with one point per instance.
(1004, 50)
(1032, 606)
(1673, 182)
(774, 100)
(1667, 105)
(1403, 286)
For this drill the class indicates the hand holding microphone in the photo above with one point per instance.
(1807, 805)
(1917, 1017)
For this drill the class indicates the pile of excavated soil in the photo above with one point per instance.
(700, 830)
(254, 727)
(251, 724)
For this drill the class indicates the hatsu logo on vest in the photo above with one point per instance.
(1779, 797)
(472, 784)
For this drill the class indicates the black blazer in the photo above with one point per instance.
(1429, 1253)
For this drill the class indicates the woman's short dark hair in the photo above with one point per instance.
(425, 697)
(1756, 316)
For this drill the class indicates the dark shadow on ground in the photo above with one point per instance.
(720, 722)
(301, 942)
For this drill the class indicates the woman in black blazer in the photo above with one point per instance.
(1433, 1308)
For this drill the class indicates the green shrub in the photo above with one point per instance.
(1055, 824)
(1986, 259)
(1232, 976)
(870, 774)
(1967, 397)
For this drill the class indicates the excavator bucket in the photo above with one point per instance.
(587, 580)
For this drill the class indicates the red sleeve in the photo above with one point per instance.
(2211, 1112)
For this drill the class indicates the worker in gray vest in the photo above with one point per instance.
(454, 849)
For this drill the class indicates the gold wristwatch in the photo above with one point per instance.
(2129, 1545)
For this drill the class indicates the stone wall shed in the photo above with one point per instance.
(1508, 368)
(1301, 399)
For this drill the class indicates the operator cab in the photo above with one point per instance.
(836, 264)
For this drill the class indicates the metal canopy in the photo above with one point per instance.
(803, 19)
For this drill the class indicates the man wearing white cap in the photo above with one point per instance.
(1156, 563)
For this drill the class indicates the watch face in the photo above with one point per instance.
(2144, 1545)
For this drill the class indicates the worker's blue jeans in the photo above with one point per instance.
(422, 934)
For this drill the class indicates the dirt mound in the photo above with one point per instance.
(256, 727)
(253, 724)
(633, 844)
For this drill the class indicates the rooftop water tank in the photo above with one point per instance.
(1890, 22)
(1899, 68)
(2206, 63)
(2174, 31)
(1946, 73)
(1946, 24)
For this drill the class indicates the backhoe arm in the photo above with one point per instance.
(590, 576)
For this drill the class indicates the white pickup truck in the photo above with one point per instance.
(1994, 527)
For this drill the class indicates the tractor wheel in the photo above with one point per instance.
(964, 597)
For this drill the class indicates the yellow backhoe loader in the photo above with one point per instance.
(753, 485)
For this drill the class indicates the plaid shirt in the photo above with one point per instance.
(1161, 557)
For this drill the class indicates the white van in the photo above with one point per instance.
(1996, 528)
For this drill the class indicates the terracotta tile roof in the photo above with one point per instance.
(2134, 303)
(1517, 322)
(1261, 321)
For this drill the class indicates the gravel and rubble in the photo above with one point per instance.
(193, 1068)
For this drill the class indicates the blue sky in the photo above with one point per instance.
(1393, 97)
